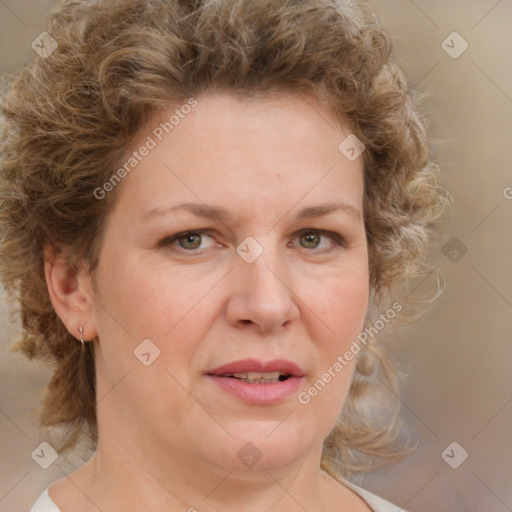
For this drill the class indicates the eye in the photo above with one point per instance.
(311, 239)
(187, 240)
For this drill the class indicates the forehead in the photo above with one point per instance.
(249, 153)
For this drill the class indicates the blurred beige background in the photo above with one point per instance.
(459, 354)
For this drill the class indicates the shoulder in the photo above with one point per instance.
(44, 504)
(375, 502)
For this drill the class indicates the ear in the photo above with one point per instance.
(71, 295)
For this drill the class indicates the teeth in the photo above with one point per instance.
(257, 377)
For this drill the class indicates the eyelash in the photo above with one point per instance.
(334, 237)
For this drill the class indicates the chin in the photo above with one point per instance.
(267, 445)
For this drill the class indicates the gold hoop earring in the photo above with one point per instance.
(81, 330)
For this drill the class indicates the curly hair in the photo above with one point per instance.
(67, 120)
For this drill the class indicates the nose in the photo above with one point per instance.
(261, 295)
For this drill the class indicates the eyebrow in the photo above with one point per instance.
(214, 212)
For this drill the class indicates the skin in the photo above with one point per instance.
(168, 436)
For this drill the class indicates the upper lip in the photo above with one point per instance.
(254, 365)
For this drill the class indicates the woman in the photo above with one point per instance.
(203, 206)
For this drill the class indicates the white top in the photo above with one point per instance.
(45, 504)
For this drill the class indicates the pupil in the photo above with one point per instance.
(190, 239)
(311, 238)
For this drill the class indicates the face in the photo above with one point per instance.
(245, 297)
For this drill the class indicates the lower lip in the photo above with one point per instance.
(259, 394)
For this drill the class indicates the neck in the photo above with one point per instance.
(125, 475)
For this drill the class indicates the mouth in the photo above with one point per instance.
(259, 377)
(249, 370)
(258, 383)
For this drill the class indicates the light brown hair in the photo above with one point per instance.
(68, 118)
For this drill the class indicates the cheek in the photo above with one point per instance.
(147, 299)
(140, 301)
(341, 305)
